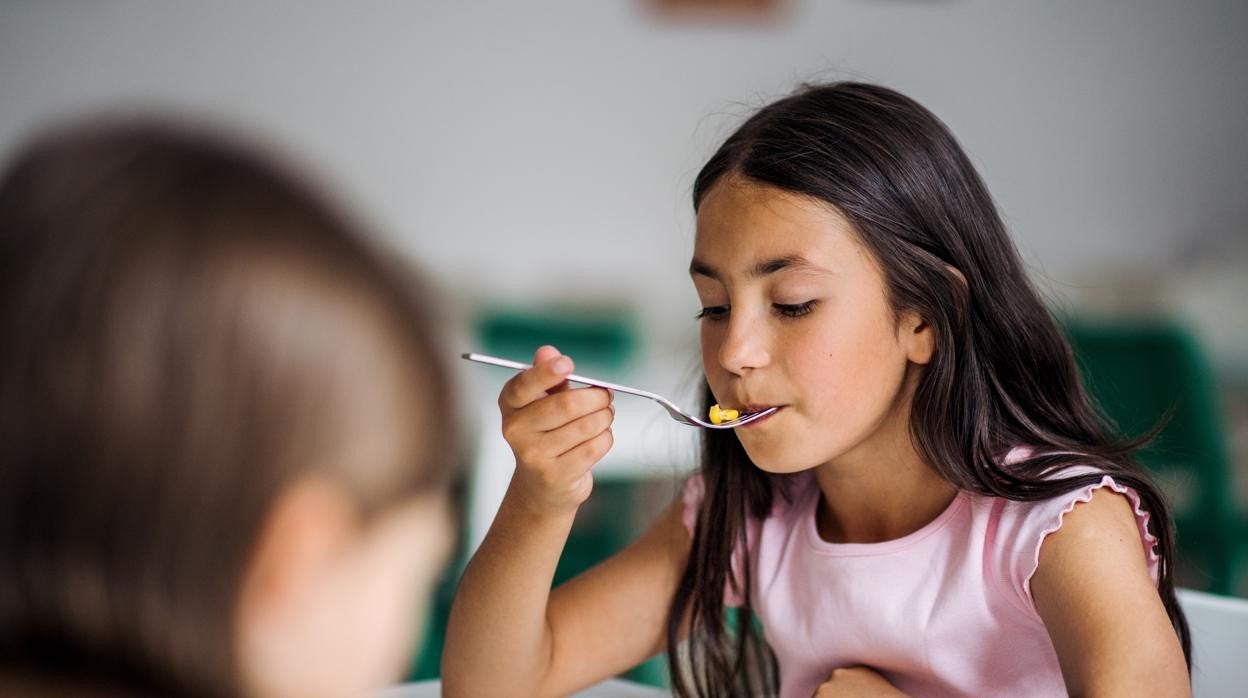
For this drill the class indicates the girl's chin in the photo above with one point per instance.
(781, 470)
(770, 461)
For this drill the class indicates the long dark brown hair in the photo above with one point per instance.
(184, 323)
(1002, 374)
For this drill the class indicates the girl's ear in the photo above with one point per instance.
(916, 337)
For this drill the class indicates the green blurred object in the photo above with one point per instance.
(603, 340)
(1138, 370)
(596, 337)
(605, 524)
(428, 662)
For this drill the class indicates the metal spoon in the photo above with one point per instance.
(675, 412)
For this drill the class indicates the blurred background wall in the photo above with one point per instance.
(532, 149)
(543, 152)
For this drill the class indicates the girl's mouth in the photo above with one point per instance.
(755, 409)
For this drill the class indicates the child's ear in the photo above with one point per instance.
(917, 337)
(309, 525)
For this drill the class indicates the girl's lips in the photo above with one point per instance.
(761, 419)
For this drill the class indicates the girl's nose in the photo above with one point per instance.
(744, 347)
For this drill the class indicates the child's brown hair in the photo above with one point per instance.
(186, 328)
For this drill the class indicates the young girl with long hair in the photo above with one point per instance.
(224, 432)
(935, 508)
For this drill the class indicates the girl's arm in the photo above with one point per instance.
(508, 634)
(1093, 591)
(614, 616)
(856, 682)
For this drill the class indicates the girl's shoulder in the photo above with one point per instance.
(1016, 530)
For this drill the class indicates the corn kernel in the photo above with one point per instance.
(719, 415)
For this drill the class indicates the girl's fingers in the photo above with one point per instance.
(528, 428)
(556, 434)
(577, 432)
(549, 374)
(589, 452)
(547, 353)
(564, 408)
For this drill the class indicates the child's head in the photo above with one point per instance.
(854, 271)
(224, 426)
(887, 283)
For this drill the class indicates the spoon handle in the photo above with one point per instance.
(508, 363)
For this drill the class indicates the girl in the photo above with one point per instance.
(223, 427)
(935, 509)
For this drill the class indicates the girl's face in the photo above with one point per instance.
(795, 315)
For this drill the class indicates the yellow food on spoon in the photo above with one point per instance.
(719, 415)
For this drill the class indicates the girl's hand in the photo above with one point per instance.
(557, 434)
(856, 681)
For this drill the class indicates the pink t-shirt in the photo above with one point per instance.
(944, 611)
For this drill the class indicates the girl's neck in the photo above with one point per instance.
(882, 489)
(884, 500)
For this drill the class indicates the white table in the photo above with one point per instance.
(612, 688)
(1219, 626)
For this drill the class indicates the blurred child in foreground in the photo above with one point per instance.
(223, 424)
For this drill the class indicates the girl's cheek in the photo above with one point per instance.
(849, 367)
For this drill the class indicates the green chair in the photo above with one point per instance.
(604, 525)
(608, 521)
(427, 664)
(602, 338)
(1137, 370)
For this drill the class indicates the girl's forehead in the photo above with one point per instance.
(742, 224)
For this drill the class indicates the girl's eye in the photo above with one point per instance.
(795, 310)
(712, 312)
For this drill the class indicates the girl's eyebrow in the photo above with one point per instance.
(793, 262)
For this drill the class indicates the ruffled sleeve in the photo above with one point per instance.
(1022, 528)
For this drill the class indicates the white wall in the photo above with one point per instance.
(523, 149)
